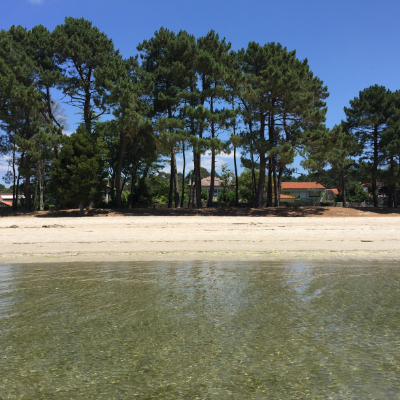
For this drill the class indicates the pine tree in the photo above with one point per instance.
(129, 91)
(89, 63)
(390, 144)
(168, 56)
(21, 100)
(335, 147)
(367, 120)
(212, 65)
(278, 92)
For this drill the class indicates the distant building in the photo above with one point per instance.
(331, 194)
(206, 183)
(304, 190)
(7, 198)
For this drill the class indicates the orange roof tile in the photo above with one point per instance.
(301, 185)
(286, 196)
(7, 203)
(334, 191)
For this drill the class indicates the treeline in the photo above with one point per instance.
(179, 94)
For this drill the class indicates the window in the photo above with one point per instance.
(314, 194)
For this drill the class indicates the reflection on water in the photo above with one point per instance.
(200, 330)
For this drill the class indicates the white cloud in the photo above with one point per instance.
(36, 1)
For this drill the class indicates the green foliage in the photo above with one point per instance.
(354, 193)
(247, 192)
(78, 173)
(204, 194)
(226, 197)
(89, 66)
(158, 186)
(142, 194)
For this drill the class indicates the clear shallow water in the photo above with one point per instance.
(200, 330)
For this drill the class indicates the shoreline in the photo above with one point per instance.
(227, 238)
(356, 257)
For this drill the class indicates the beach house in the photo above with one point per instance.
(309, 192)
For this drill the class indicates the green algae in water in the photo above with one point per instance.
(200, 330)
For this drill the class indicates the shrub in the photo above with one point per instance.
(354, 193)
(226, 197)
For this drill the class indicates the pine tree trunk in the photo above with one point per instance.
(212, 183)
(236, 178)
(375, 193)
(269, 183)
(261, 181)
(190, 189)
(253, 180)
(41, 188)
(176, 180)
(280, 173)
(15, 196)
(112, 184)
(197, 177)
(81, 209)
(171, 183)
(28, 202)
(392, 188)
(271, 167)
(183, 174)
(276, 203)
(390, 197)
(133, 183)
(374, 177)
(17, 191)
(344, 188)
(253, 174)
(87, 115)
(118, 172)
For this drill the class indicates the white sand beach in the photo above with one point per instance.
(174, 238)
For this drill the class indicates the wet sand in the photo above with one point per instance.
(178, 238)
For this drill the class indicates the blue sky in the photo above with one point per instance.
(350, 44)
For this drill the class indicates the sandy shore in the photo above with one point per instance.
(145, 238)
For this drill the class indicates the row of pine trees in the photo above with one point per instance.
(179, 94)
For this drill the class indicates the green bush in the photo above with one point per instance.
(226, 197)
(354, 194)
(52, 207)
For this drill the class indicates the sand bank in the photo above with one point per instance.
(146, 238)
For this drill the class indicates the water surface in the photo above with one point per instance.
(200, 330)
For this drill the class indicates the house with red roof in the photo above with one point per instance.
(311, 191)
(6, 199)
(290, 191)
